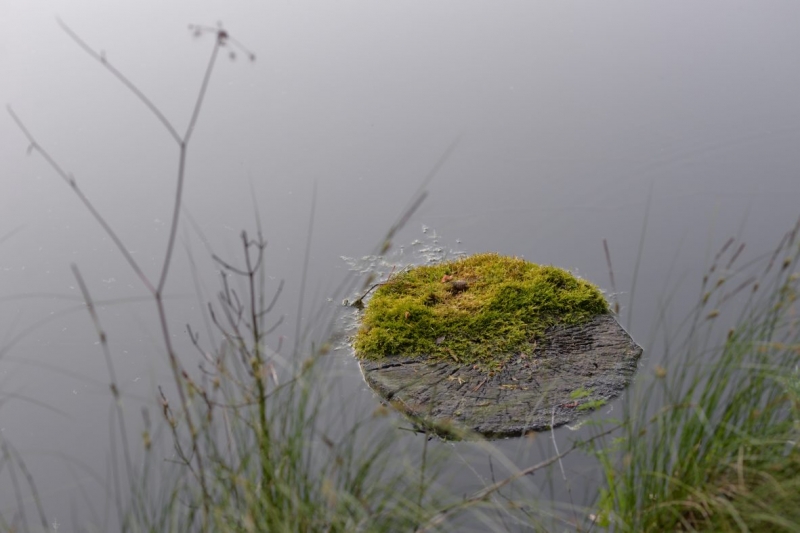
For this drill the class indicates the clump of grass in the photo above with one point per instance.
(476, 310)
(249, 450)
(721, 452)
(272, 462)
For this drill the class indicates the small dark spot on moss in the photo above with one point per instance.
(458, 285)
(480, 310)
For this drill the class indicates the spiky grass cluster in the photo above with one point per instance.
(721, 452)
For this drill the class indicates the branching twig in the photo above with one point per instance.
(156, 290)
(70, 180)
(358, 303)
(487, 491)
(101, 58)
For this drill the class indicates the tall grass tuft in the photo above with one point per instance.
(271, 462)
(249, 450)
(713, 445)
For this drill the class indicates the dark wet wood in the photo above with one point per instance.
(530, 391)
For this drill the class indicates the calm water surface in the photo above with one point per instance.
(577, 123)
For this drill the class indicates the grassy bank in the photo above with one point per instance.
(712, 445)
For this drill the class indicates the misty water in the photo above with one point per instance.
(663, 128)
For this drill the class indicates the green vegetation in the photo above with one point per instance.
(577, 394)
(241, 446)
(712, 445)
(477, 310)
(591, 405)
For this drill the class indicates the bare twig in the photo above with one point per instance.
(101, 334)
(101, 58)
(184, 143)
(611, 275)
(487, 491)
(70, 180)
(555, 444)
(156, 290)
(639, 257)
(306, 258)
(31, 485)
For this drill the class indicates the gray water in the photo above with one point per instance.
(576, 122)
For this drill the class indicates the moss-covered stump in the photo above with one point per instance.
(493, 344)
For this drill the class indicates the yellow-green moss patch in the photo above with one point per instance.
(477, 310)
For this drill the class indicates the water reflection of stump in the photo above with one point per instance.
(575, 369)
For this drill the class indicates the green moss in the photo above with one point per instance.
(480, 310)
(591, 405)
(577, 394)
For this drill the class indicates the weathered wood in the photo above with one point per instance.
(598, 359)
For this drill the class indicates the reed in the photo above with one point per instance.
(710, 440)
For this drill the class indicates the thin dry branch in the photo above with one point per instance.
(156, 290)
(101, 334)
(487, 491)
(101, 58)
(70, 180)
